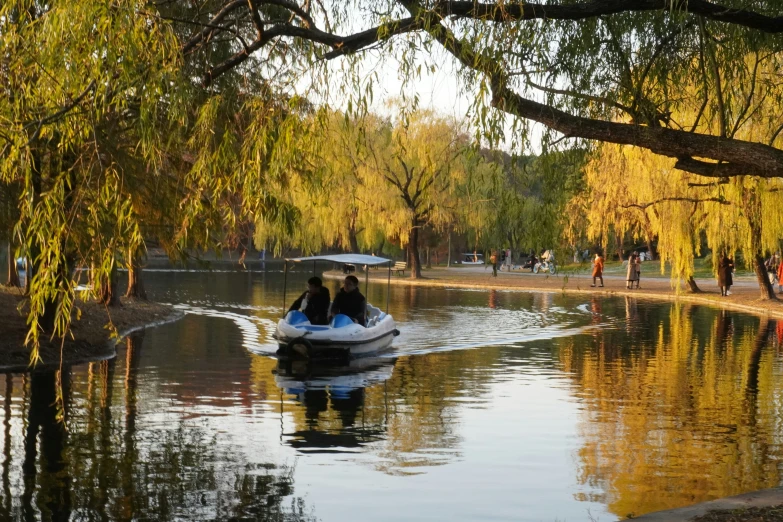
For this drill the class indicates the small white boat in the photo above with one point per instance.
(297, 337)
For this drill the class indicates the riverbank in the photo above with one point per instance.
(765, 505)
(744, 294)
(90, 338)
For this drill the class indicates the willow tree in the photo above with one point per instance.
(374, 177)
(413, 168)
(328, 193)
(73, 95)
(633, 192)
(98, 123)
(644, 195)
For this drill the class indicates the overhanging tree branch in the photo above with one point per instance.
(748, 157)
(733, 156)
(644, 206)
(504, 12)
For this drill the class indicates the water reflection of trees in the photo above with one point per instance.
(683, 410)
(102, 468)
(408, 422)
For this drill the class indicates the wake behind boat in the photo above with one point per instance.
(298, 337)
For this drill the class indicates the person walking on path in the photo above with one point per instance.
(780, 277)
(725, 269)
(598, 268)
(494, 260)
(632, 275)
(508, 260)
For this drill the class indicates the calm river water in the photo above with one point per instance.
(492, 406)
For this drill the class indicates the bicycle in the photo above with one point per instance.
(545, 266)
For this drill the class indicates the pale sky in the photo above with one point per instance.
(440, 91)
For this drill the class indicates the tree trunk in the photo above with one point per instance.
(753, 214)
(448, 254)
(354, 241)
(693, 286)
(429, 264)
(109, 295)
(352, 233)
(13, 275)
(765, 287)
(135, 281)
(620, 248)
(413, 248)
(651, 250)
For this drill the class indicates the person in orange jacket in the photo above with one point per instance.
(598, 268)
(780, 276)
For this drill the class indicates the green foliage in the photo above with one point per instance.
(531, 201)
(104, 141)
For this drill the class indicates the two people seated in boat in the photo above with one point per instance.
(314, 302)
(350, 301)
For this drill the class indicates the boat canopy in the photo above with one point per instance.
(351, 259)
(472, 254)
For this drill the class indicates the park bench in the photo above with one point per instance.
(400, 267)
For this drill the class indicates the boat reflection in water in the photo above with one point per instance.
(321, 386)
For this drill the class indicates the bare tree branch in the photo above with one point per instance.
(644, 206)
(207, 32)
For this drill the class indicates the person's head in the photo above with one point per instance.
(350, 283)
(314, 285)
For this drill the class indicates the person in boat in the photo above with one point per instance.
(350, 301)
(314, 302)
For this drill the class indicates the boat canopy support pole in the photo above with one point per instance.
(314, 262)
(366, 280)
(285, 283)
(388, 287)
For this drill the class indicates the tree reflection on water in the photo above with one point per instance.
(101, 468)
(683, 409)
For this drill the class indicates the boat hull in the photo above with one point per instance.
(354, 339)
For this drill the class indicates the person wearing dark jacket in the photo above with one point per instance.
(725, 269)
(317, 300)
(349, 301)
